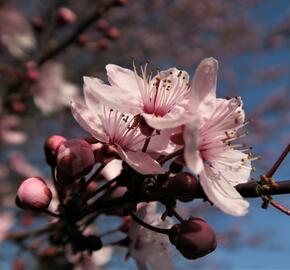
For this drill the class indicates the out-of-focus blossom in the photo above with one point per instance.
(52, 92)
(162, 99)
(97, 260)
(15, 32)
(208, 144)
(21, 165)
(119, 129)
(148, 248)
(7, 220)
(8, 130)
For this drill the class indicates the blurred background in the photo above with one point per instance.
(46, 47)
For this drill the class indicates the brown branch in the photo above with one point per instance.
(98, 13)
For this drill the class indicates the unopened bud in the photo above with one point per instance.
(194, 238)
(66, 16)
(102, 25)
(103, 44)
(83, 40)
(113, 33)
(106, 153)
(33, 194)
(121, 2)
(37, 23)
(183, 186)
(75, 157)
(51, 147)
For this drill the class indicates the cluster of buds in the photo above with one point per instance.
(72, 161)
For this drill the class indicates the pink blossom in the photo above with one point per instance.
(148, 248)
(7, 221)
(162, 99)
(52, 91)
(15, 32)
(33, 194)
(209, 151)
(119, 129)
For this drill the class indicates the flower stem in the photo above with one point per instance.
(146, 143)
(148, 226)
(170, 156)
(93, 177)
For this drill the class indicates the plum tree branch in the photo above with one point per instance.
(99, 12)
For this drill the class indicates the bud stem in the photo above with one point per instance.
(170, 156)
(148, 226)
(146, 143)
(93, 177)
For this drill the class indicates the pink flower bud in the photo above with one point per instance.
(51, 147)
(103, 44)
(194, 238)
(66, 15)
(102, 25)
(183, 186)
(113, 33)
(75, 157)
(33, 194)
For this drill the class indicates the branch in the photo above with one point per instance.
(99, 12)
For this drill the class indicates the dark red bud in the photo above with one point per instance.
(102, 25)
(75, 158)
(103, 44)
(175, 167)
(121, 2)
(183, 186)
(194, 238)
(66, 16)
(51, 147)
(113, 33)
(37, 23)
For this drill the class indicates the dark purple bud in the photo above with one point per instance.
(183, 186)
(194, 238)
(75, 158)
(113, 33)
(51, 147)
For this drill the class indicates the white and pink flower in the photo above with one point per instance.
(148, 248)
(116, 128)
(163, 99)
(209, 151)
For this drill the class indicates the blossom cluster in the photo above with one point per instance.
(154, 136)
(171, 107)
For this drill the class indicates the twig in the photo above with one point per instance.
(100, 11)
(276, 165)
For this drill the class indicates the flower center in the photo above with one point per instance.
(163, 92)
(121, 129)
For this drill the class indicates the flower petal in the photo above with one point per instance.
(88, 121)
(122, 77)
(191, 143)
(221, 193)
(125, 100)
(141, 162)
(174, 119)
(204, 81)
(236, 164)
